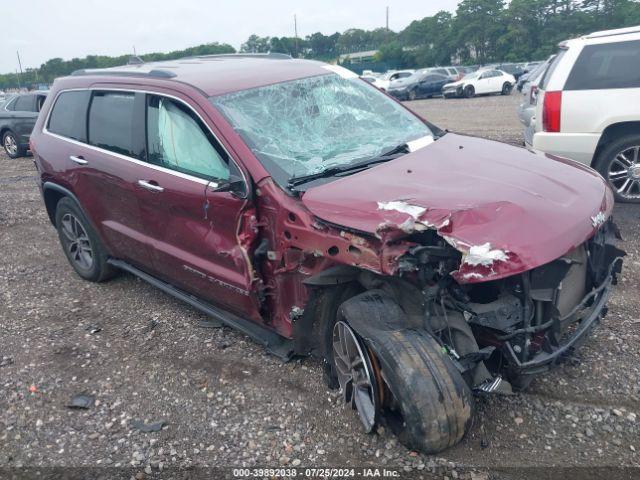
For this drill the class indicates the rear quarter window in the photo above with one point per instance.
(69, 115)
(604, 66)
(24, 103)
(552, 66)
(111, 122)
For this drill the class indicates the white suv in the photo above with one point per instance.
(588, 107)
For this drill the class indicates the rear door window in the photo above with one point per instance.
(177, 139)
(552, 66)
(69, 115)
(608, 65)
(24, 103)
(111, 122)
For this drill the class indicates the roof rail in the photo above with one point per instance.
(124, 73)
(270, 55)
(617, 31)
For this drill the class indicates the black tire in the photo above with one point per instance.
(11, 146)
(413, 95)
(433, 406)
(97, 269)
(506, 88)
(611, 159)
(469, 91)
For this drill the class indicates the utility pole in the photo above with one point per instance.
(295, 29)
(134, 51)
(387, 19)
(19, 65)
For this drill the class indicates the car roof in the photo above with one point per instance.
(219, 74)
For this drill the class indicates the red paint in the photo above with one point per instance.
(475, 191)
(533, 207)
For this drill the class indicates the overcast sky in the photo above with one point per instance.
(44, 29)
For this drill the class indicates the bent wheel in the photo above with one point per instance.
(355, 374)
(405, 377)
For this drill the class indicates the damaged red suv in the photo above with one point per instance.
(301, 205)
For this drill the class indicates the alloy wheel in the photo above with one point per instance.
(77, 242)
(355, 374)
(623, 173)
(10, 144)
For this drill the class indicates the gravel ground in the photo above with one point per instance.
(226, 403)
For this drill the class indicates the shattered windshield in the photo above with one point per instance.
(305, 126)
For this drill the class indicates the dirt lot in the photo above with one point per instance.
(227, 403)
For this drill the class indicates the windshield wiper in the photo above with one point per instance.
(333, 171)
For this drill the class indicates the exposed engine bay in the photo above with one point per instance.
(501, 330)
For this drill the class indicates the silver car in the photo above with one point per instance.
(527, 108)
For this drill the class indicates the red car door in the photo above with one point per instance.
(101, 165)
(192, 226)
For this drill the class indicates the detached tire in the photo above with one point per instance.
(435, 403)
(81, 243)
(425, 400)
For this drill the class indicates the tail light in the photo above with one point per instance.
(533, 95)
(551, 111)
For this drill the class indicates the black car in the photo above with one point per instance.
(17, 118)
(422, 84)
(512, 68)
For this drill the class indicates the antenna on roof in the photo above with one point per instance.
(135, 60)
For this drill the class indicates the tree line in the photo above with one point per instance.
(480, 31)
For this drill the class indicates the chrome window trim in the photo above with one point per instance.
(185, 176)
(9, 102)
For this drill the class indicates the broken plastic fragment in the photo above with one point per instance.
(484, 255)
(598, 219)
(81, 402)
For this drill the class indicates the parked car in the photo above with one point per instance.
(587, 107)
(527, 108)
(514, 69)
(299, 204)
(450, 72)
(385, 80)
(422, 84)
(17, 118)
(479, 83)
(532, 73)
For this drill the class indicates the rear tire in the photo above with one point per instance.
(469, 91)
(11, 146)
(506, 88)
(432, 406)
(619, 165)
(80, 243)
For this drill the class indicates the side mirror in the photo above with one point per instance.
(235, 185)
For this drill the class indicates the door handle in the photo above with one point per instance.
(150, 186)
(78, 160)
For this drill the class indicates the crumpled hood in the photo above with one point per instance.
(507, 209)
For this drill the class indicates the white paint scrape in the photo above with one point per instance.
(598, 220)
(484, 255)
(413, 210)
